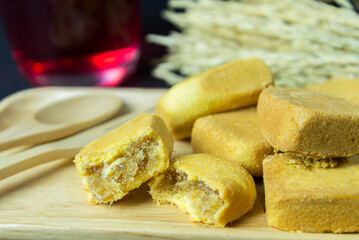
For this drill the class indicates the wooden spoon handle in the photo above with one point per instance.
(22, 133)
(33, 157)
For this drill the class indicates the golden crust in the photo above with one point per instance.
(233, 85)
(309, 122)
(224, 181)
(310, 199)
(123, 159)
(232, 135)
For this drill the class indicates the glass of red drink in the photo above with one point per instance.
(73, 42)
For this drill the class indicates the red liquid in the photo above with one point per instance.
(73, 42)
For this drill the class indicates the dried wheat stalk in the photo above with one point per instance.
(303, 41)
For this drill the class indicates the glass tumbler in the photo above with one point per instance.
(73, 42)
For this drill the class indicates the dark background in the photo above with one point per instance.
(11, 81)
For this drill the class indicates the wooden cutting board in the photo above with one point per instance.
(48, 202)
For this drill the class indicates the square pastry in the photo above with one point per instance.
(308, 122)
(312, 195)
(233, 135)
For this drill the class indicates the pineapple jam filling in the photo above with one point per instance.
(126, 172)
(308, 162)
(193, 196)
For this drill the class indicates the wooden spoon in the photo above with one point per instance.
(37, 118)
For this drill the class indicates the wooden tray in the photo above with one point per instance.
(49, 202)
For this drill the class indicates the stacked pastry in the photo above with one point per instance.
(216, 110)
(312, 185)
(230, 153)
(211, 189)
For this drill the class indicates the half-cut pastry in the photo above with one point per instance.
(210, 189)
(123, 159)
